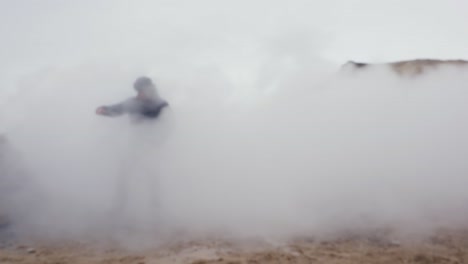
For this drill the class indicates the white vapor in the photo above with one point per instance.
(262, 137)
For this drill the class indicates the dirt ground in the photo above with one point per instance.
(440, 248)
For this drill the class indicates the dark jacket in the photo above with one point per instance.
(136, 107)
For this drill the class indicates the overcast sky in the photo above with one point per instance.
(37, 34)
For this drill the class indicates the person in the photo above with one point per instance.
(147, 104)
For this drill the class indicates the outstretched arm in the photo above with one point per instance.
(111, 110)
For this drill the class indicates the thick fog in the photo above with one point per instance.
(264, 137)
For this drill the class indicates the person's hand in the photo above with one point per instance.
(101, 110)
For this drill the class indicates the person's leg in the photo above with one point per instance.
(156, 139)
(123, 184)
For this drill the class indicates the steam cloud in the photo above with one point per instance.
(260, 140)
